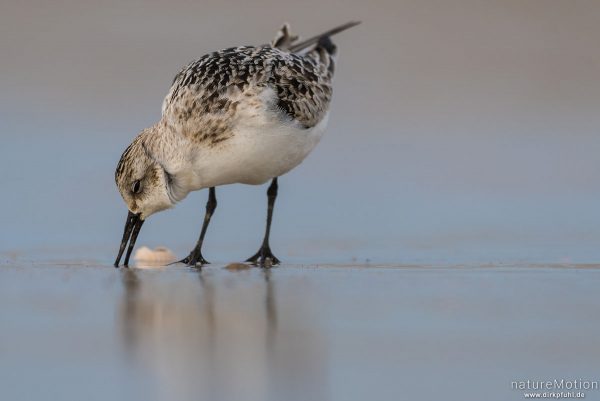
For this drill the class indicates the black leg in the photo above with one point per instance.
(195, 257)
(264, 257)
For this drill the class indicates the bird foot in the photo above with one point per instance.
(264, 258)
(194, 260)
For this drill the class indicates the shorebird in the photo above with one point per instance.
(240, 115)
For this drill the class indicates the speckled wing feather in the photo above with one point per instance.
(303, 84)
(211, 87)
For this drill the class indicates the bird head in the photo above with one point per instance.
(144, 185)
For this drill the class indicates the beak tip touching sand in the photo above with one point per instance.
(133, 225)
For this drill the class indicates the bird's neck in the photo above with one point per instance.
(172, 152)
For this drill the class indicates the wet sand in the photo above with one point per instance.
(73, 332)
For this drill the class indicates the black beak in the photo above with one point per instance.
(133, 224)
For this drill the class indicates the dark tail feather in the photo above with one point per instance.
(316, 39)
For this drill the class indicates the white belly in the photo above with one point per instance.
(260, 150)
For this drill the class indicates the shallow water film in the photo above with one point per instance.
(294, 332)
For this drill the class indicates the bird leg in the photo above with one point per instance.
(264, 257)
(195, 257)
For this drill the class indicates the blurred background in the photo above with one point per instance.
(461, 132)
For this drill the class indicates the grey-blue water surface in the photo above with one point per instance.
(294, 332)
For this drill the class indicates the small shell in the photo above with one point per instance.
(159, 256)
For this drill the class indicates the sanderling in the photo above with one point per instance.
(240, 115)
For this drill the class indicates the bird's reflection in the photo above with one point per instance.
(271, 310)
(131, 284)
(215, 337)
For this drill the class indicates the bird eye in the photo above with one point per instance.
(137, 186)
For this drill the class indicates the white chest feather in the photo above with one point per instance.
(263, 146)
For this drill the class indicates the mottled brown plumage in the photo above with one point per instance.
(205, 95)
